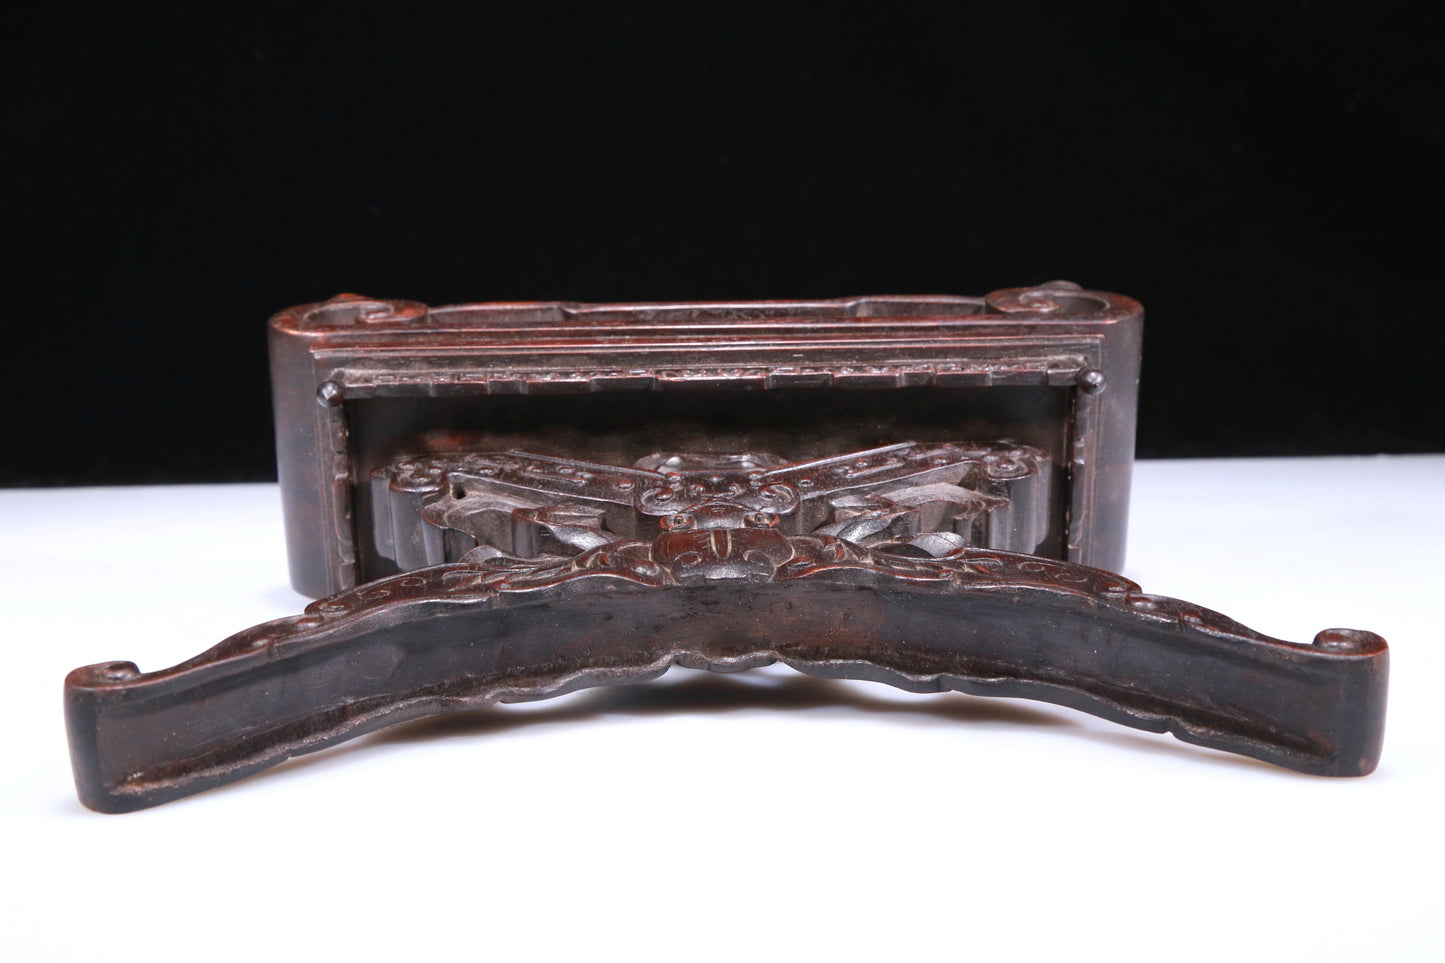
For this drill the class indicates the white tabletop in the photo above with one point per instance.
(760, 815)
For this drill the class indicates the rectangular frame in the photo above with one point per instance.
(354, 349)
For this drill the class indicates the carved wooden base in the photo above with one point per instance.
(495, 627)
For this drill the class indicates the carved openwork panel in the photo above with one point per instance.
(434, 509)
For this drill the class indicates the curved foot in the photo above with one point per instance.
(926, 616)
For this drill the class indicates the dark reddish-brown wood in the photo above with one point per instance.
(1054, 367)
(509, 502)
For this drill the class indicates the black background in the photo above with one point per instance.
(1265, 178)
